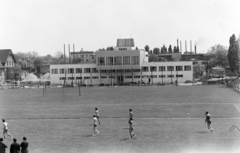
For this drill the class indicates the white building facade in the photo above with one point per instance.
(121, 66)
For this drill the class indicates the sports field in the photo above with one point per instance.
(166, 119)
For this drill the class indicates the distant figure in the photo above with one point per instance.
(95, 131)
(24, 145)
(5, 129)
(130, 122)
(15, 147)
(2, 146)
(130, 114)
(97, 115)
(208, 121)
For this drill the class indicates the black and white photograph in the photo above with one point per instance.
(120, 76)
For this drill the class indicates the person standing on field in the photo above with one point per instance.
(130, 114)
(97, 115)
(2, 146)
(24, 145)
(208, 121)
(130, 122)
(5, 129)
(15, 147)
(95, 131)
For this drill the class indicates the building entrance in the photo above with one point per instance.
(120, 80)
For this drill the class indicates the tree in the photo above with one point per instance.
(147, 48)
(170, 49)
(219, 58)
(233, 54)
(152, 57)
(156, 51)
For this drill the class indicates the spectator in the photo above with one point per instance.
(2, 146)
(15, 147)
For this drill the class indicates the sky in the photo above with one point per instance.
(45, 26)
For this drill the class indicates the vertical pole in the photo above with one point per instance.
(171, 75)
(72, 77)
(162, 75)
(64, 54)
(152, 74)
(73, 53)
(69, 53)
(132, 74)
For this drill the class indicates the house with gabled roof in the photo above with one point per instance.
(8, 69)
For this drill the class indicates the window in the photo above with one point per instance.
(70, 78)
(162, 76)
(128, 70)
(118, 60)
(145, 76)
(78, 70)
(54, 71)
(126, 60)
(187, 68)
(137, 76)
(122, 48)
(62, 78)
(101, 61)
(135, 60)
(109, 60)
(95, 77)
(111, 77)
(71, 70)
(162, 68)
(62, 71)
(103, 71)
(87, 70)
(136, 70)
(179, 76)
(119, 71)
(179, 68)
(87, 77)
(153, 68)
(170, 68)
(78, 78)
(170, 76)
(103, 77)
(145, 69)
(128, 77)
(94, 70)
(153, 76)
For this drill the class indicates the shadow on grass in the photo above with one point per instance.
(124, 139)
(87, 135)
(202, 132)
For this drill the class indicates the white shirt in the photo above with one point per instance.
(95, 120)
(96, 112)
(5, 125)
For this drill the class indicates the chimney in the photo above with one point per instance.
(191, 45)
(64, 54)
(69, 53)
(181, 46)
(195, 49)
(186, 45)
(73, 51)
(177, 42)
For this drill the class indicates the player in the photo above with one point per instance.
(5, 129)
(95, 125)
(130, 114)
(130, 122)
(208, 121)
(97, 115)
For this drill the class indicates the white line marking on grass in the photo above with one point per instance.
(237, 107)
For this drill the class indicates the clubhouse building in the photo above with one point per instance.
(122, 65)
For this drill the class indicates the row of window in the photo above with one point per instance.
(144, 69)
(169, 68)
(127, 77)
(118, 60)
(9, 63)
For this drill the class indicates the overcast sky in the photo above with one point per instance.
(45, 25)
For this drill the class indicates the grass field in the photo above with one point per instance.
(167, 119)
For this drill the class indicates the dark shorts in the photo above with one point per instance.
(95, 125)
(5, 130)
(209, 122)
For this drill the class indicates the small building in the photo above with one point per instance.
(9, 70)
(122, 65)
(82, 57)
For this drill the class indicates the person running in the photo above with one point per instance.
(130, 122)
(97, 115)
(208, 121)
(95, 125)
(130, 114)
(5, 129)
